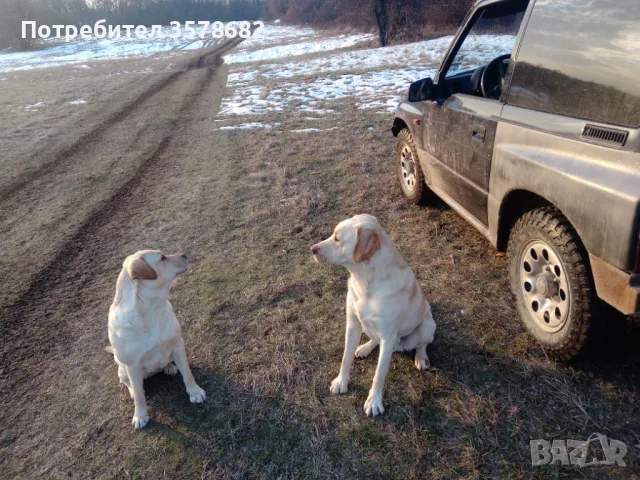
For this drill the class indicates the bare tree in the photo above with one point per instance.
(12, 14)
(395, 20)
(381, 9)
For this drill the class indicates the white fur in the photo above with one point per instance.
(144, 333)
(384, 300)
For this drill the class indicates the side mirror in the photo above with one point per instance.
(422, 90)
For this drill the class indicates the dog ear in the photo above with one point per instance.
(367, 245)
(139, 269)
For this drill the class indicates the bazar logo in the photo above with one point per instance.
(576, 452)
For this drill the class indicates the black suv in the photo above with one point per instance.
(529, 130)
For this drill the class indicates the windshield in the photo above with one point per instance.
(492, 35)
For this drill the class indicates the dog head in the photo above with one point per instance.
(154, 267)
(353, 241)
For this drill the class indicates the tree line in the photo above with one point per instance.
(395, 20)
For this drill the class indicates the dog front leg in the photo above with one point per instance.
(141, 413)
(196, 394)
(352, 338)
(373, 406)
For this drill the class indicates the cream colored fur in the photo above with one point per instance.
(384, 300)
(144, 333)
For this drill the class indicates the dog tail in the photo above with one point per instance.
(110, 350)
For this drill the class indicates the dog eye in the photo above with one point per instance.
(163, 258)
(336, 238)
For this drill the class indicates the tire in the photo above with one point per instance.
(410, 176)
(551, 281)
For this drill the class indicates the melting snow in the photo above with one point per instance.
(250, 126)
(270, 35)
(79, 50)
(303, 48)
(313, 130)
(33, 107)
(376, 78)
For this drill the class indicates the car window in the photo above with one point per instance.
(580, 58)
(493, 34)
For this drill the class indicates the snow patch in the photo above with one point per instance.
(78, 102)
(79, 51)
(412, 55)
(295, 49)
(250, 126)
(275, 34)
(33, 107)
(374, 79)
(313, 130)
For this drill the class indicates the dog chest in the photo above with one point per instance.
(158, 355)
(371, 316)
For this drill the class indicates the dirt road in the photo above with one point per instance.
(64, 222)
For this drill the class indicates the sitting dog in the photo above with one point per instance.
(384, 300)
(144, 333)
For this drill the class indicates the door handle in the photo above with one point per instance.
(477, 133)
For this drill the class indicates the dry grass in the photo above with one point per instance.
(264, 329)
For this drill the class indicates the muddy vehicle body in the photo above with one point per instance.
(530, 131)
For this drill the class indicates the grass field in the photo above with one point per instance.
(263, 324)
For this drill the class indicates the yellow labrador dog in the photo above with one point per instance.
(384, 300)
(144, 333)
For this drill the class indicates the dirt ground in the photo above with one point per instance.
(145, 166)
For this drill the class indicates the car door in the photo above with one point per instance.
(459, 129)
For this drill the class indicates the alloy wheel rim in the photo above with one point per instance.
(544, 285)
(408, 168)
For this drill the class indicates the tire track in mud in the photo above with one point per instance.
(52, 275)
(94, 135)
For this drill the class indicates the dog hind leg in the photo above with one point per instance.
(124, 378)
(421, 360)
(419, 339)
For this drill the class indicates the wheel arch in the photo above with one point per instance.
(516, 203)
(398, 125)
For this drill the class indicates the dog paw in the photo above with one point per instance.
(373, 406)
(339, 385)
(140, 420)
(363, 351)
(422, 363)
(196, 394)
(171, 369)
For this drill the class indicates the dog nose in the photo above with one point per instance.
(315, 249)
(184, 255)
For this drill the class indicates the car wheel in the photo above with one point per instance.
(550, 279)
(410, 174)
